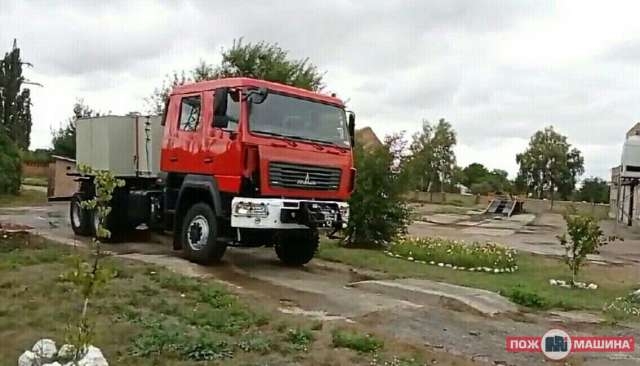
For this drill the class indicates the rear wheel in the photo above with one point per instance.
(199, 235)
(296, 247)
(80, 217)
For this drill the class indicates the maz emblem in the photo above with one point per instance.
(306, 181)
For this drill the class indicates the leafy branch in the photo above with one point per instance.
(89, 277)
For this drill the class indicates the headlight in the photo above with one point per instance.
(344, 212)
(251, 209)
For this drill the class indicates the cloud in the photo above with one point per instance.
(498, 71)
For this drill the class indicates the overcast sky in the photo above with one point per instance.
(498, 70)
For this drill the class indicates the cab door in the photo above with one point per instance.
(221, 144)
(183, 150)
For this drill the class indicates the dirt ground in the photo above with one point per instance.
(321, 289)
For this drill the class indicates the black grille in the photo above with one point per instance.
(299, 176)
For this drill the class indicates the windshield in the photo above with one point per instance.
(299, 118)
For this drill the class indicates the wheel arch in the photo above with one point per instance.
(195, 188)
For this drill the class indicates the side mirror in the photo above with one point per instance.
(220, 118)
(351, 125)
(257, 96)
(220, 102)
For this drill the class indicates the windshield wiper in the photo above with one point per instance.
(315, 142)
(285, 137)
(330, 143)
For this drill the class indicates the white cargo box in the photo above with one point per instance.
(128, 146)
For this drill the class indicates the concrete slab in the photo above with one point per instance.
(501, 224)
(523, 219)
(576, 317)
(488, 231)
(446, 219)
(469, 223)
(427, 292)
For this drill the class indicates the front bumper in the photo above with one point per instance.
(276, 213)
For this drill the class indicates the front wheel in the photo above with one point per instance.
(80, 217)
(199, 235)
(296, 247)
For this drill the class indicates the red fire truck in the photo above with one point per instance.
(233, 162)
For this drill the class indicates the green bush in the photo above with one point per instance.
(299, 338)
(10, 166)
(456, 253)
(524, 297)
(625, 307)
(365, 343)
(379, 211)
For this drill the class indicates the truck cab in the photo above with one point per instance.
(247, 162)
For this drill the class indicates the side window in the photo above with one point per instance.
(189, 113)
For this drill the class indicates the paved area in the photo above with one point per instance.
(526, 232)
(326, 291)
(430, 292)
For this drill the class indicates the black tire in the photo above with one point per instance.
(296, 247)
(81, 222)
(199, 234)
(111, 223)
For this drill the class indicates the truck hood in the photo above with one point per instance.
(305, 171)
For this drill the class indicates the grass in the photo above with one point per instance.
(147, 315)
(26, 197)
(364, 343)
(532, 277)
(36, 181)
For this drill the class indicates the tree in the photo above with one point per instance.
(550, 164)
(261, 60)
(64, 139)
(432, 157)
(474, 173)
(10, 166)
(594, 190)
(585, 237)
(15, 101)
(379, 212)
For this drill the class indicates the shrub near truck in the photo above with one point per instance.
(234, 161)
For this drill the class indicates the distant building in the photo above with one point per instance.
(367, 138)
(624, 199)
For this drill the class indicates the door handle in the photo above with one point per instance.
(208, 160)
(173, 158)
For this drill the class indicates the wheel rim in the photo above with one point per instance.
(198, 232)
(75, 214)
(96, 222)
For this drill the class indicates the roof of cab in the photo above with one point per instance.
(244, 82)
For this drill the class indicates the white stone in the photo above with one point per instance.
(432, 262)
(472, 269)
(462, 268)
(66, 351)
(496, 270)
(52, 364)
(410, 258)
(448, 265)
(93, 357)
(28, 358)
(553, 282)
(487, 269)
(592, 286)
(440, 264)
(45, 348)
